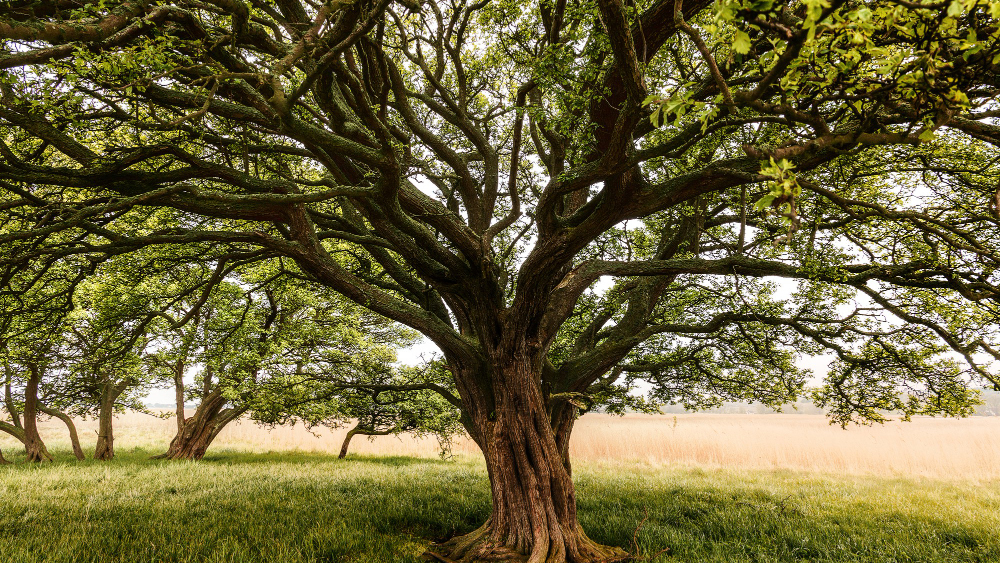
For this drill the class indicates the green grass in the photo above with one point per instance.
(298, 507)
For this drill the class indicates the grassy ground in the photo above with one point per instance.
(309, 507)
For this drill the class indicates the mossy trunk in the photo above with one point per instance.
(201, 428)
(533, 518)
(34, 447)
(74, 438)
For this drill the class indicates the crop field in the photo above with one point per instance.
(695, 488)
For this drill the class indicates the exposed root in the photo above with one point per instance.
(37, 454)
(480, 547)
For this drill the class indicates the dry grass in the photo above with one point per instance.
(925, 447)
(935, 448)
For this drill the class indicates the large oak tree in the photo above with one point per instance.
(473, 169)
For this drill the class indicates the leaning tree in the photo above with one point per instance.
(472, 170)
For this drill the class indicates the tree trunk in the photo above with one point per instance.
(179, 394)
(9, 399)
(533, 517)
(74, 438)
(347, 440)
(34, 447)
(359, 430)
(105, 449)
(198, 432)
(3, 460)
(564, 418)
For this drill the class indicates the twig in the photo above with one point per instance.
(635, 540)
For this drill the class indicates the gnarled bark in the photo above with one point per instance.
(74, 438)
(201, 429)
(34, 447)
(533, 518)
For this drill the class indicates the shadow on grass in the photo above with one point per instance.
(305, 457)
(64, 458)
(749, 524)
(309, 507)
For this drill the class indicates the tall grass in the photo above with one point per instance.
(925, 447)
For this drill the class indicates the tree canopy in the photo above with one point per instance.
(473, 170)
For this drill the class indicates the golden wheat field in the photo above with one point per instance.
(925, 447)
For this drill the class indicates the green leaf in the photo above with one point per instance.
(955, 8)
(764, 202)
(741, 44)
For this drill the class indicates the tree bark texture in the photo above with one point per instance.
(533, 518)
(34, 447)
(74, 438)
(179, 394)
(201, 429)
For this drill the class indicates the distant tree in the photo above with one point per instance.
(394, 411)
(473, 170)
(370, 395)
(251, 340)
(107, 344)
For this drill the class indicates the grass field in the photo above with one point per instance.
(738, 489)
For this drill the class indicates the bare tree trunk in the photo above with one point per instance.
(533, 518)
(179, 393)
(34, 447)
(9, 398)
(3, 460)
(201, 429)
(105, 449)
(74, 438)
(347, 441)
(563, 420)
(359, 430)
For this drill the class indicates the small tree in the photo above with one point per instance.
(385, 407)
(368, 394)
(250, 338)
